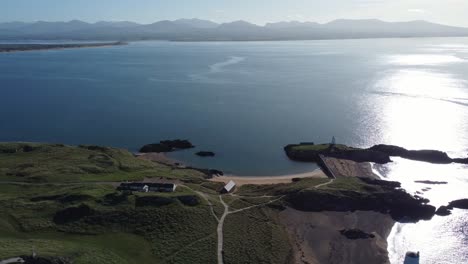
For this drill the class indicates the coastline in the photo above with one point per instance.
(11, 48)
(327, 224)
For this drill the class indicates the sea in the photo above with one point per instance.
(245, 101)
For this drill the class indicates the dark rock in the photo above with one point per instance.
(399, 204)
(443, 211)
(355, 234)
(432, 182)
(460, 204)
(153, 201)
(432, 156)
(205, 154)
(462, 161)
(190, 200)
(166, 146)
(72, 214)
(178, 144)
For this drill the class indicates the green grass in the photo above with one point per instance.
(280, 189)
(120, 233)
(109, 248)
(254, 236)
(35, 162)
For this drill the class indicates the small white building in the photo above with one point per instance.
(229, 187)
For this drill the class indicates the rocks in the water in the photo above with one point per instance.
(447, 210)
(167, 146)
(443, 211)
(460, 204)
(205, 154)
(432, 182)
(72, 214)
(355, 234)
(433, 156)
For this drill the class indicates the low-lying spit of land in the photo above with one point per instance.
(31, 47)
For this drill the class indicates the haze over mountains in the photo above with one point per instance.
(200, 30)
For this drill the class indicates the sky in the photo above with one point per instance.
(450, 12)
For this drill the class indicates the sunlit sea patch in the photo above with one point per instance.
(423, 59)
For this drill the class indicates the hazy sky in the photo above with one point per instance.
(452, 12)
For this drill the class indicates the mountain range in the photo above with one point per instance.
(201, 30)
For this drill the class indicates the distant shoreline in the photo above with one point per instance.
(8, 48)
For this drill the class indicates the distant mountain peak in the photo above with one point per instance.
(196, 23)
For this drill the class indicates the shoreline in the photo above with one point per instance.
(11, 48)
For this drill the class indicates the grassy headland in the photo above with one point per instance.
(62, 201)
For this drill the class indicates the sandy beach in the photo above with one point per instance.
(262, 180)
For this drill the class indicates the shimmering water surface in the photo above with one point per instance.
(246, 100)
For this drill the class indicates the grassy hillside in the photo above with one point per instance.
(33, 162)
(40, 181)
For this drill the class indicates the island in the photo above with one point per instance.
(81, 204)
(32, 47)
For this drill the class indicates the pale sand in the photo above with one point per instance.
(264, 180)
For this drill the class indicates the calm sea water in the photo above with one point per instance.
(246, 100)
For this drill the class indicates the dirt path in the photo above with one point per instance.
(324, 184)
(219, 230)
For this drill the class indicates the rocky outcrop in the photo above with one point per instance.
(443, 211)
(447, 210)
(354, 234)
(378, 154)
(167, 146)
(432, 182)
(383, 197)
(205, 154)
(400, 205)
(432, 156)
(460, 204)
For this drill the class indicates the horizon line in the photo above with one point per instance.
(228, 22)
